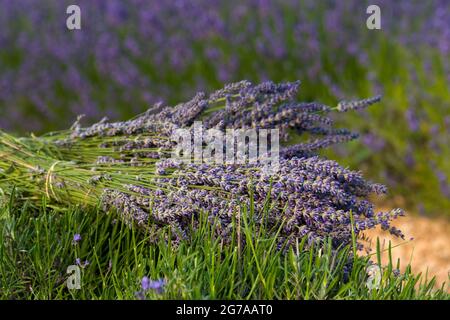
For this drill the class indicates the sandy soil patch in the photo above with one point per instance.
(430, 247)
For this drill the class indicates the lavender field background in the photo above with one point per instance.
(134, 53)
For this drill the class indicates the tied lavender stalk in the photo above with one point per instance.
(126, 166)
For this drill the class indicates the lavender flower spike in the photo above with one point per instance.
(345, 106)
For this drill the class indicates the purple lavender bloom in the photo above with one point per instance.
(155, 285)
(145, 283)
(76, 238)
(82, 264)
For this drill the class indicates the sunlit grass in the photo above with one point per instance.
(37, 247)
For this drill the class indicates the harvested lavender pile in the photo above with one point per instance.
(128, 167)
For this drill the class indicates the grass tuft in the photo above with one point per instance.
(37, 247)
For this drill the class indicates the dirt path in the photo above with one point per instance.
(430, 247)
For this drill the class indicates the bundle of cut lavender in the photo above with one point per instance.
(135, 169)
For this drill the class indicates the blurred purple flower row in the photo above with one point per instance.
(132, 53)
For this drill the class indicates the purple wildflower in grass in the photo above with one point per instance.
(76, 238)
(145, 283)
(82, 264)
(157, 285)
(150, 285)
(345, 106)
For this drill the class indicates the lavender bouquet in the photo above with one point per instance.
(127, 168)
